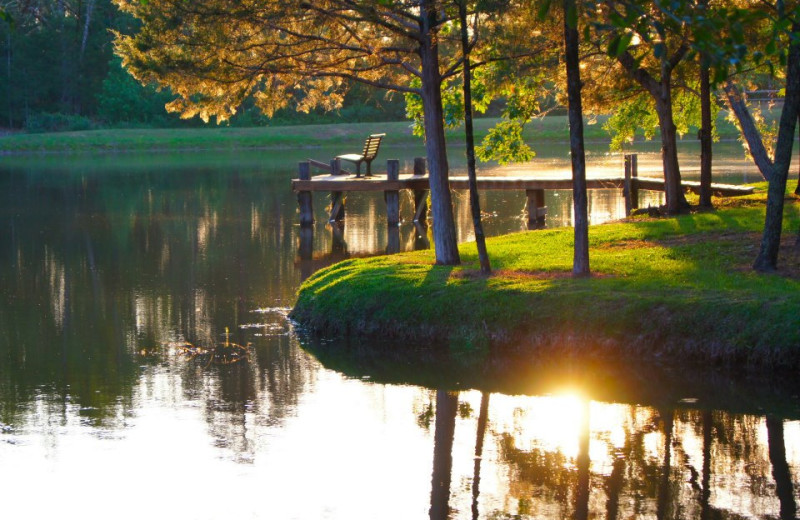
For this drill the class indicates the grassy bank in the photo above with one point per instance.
(677, 288)
(211, 138)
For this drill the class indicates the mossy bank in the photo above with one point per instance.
(677, 288)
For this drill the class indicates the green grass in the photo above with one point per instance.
(672, 287)
(213, 137)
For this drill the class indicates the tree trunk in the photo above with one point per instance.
(661, 92)
(747, 125)
(444, 229)
(474, 202)
(676, 200)
(85, 38)
(767, 259)
(483, 419)
(580, 260)
(663, 501)
(780, 468)
(446, 408)
(797, 189)
(705, 136)
(705, 494)
(583, 465)
(9, 84)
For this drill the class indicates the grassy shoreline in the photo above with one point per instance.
(548, 129)
(674, 288)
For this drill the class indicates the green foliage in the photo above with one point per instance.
(4, 16)
(505, 144)
(45, 122)
(55, 57)
(638, 116)
(766, 122)
(521, 100)
(523, 96)
(123, 100)
(452, 101)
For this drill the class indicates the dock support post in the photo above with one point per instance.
(393, 240)
(337, 206)
(392, 197)
(304, 197)
(535, 208)
(336, 166)
(420, 196)
(420, 205)
(337, 197)
(420, 166)
(421, 240)
(631, 189)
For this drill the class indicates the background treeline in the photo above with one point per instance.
(59, 72)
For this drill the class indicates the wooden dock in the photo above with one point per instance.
(338, 183)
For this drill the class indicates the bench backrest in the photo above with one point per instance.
(371, 146)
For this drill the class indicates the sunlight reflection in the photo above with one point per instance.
(549, 423)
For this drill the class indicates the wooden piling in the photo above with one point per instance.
(630, 190)
(420, 196)
(392, 197)
(420, 166)
(337, 206)
(393, 240)
(420, 205)
(336, 166)
(421, 240)
(304, 199)
(535, 208)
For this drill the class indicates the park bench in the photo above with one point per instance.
(371, 146)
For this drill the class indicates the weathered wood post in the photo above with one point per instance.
(392, 197)
(420, 196)
(304, 199)
(337, 197)
(420, 166)
(336, 166)
(421, 240)
(535, 208)
(631, 189)
(337, 206)
(393, 240)
(338, 244)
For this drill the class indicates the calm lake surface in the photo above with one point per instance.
(109, 264)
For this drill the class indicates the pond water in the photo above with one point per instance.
(110, 264)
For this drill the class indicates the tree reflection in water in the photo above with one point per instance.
(446, 408)
(780, 468)
(480, 437)
(631, 462)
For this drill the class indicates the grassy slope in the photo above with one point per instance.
(399, 133)
(674, 286)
